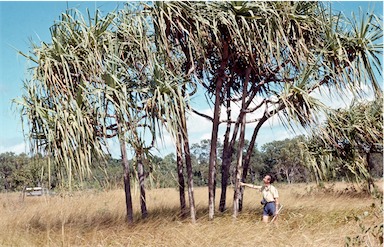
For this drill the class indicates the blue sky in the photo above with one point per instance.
(21, 22)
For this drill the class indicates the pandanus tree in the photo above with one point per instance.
(347, 141)
(233, 49)
(100, 80)
(168, 103)
(62, 116)
(163, 94)
(89, 85)
(174, 100)
(268, 59)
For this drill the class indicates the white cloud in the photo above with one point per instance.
(114, 147)
(197, 124)
(334, 101)
(16, 148)
(165, 145)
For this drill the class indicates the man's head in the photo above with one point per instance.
(268, 179)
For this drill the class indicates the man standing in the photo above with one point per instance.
(270, 197)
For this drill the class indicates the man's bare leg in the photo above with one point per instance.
(265, 218)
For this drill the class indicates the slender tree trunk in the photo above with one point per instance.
(127, 182)
(215, 129)
(227, 160)
(6, 184)
(287, 175)
(225, 166)
(239, 166)
(239, 170)
(188, 164)
(213, 153)
(180, 175)
(226, 156)
(247, 158)
(140, 171)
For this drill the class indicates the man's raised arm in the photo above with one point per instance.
(252, 186)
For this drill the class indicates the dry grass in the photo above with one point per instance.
(309, 218)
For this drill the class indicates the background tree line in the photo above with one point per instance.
(286, 160)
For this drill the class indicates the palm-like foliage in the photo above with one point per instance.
(59, 100)
(347, 140)
(98, 80)
(270, 56)
(90, 84)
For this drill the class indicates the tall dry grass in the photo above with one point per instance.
(310, 217)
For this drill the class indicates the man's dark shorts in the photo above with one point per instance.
(269, 209)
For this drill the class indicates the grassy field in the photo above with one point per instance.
(310, 217)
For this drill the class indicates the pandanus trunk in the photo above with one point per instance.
(188, 164)
(127, 182)
(140, 171)
(247, 158)
(226, 157)
(239, 166)
(215, 129)
(226, 165)
(213, 155)
(180, 175)
(239, 170)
